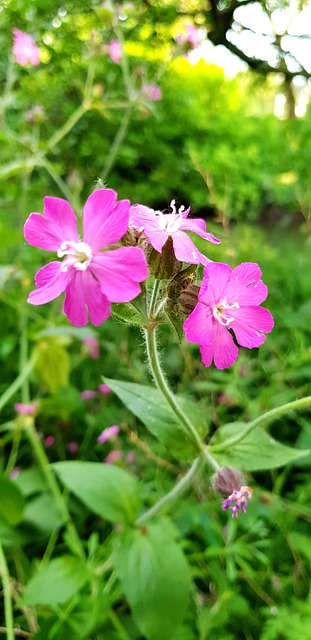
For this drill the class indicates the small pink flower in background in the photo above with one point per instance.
(113, 456)
(88, 394)
(26, 409)
(92, 279)
(72, 447)
(192, 35)
(49, 441)
(35, 114)
(158, 227)
(237, 501)
(92, 347)
(151, 92)
(115, 52)
(131, 457)
(14, 473)
(103, 388)
(25, 49)
(108, 433)
(229, 299)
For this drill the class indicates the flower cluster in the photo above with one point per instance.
(94, 273)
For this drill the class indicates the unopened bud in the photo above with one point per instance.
(226, 480)
(188, 298)
(165, 265)
(132, 237)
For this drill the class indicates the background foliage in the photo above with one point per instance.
(213, 143)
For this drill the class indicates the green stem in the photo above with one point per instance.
(67, 126)
(44, 464)
(266, 417)
(179, 488)
(117, 141)
(60, 183)
(18, 382)
(8, 605)
(153, 299)
(117, 625)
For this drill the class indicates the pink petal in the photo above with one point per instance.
(198, 326)
(119, 272)
(105, 221)
(185, 250)
(51, 282)
(221, 347)
(198, 226)
(143, 217)
(83, 293)
(245, 285)
(57, 225)
(214, 283)
(250, 325)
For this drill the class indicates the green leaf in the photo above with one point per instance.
(56, 582)
(42, 513)
(155, 578)
(147, 404)
(127, 313)
(110, 492)
(12, 501)
(258, 450)
(53, 366)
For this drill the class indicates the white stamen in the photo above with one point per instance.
(219, 312)
(78, 255)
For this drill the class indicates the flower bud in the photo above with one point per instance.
(188, 298)
(165, 265)
(226, 480)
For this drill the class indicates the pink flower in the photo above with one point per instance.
(88, 394)
(49, 441)
(90, 278)
(26, 409)
(92, 347)
(237, 500)
(113, 456)
(103, 388)
(108, 433)
(72, 447)
(192, 36)
(151, 92)
(15, 473)
(25, 49)
(229, 299)
(158, 226)
(115, 52)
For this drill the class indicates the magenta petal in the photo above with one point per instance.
(214, 283)
(105, 221)
(245, 285)
(51, 282)
(250, 325)
(142, 217)
(185, 250)
(198, 326)
(221, 347)
(57, 225)
(119, 272)
(198, 226)
(83, 294)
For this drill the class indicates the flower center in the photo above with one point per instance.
(219, 312)
(170, 222)
(79, 255)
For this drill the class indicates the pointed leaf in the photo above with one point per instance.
(155, 577)
(258, 450)
(147, 404)
(105, 489)
(12, 501)
(56, 582)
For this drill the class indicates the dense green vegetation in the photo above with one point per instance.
(191, 572)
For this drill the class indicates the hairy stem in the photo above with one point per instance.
(179, 488)
(296, 405)
(8, 604)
